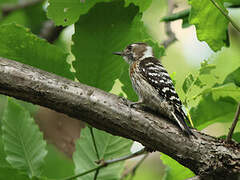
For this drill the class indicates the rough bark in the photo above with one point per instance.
(204, 155)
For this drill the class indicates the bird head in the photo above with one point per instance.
(136, 52)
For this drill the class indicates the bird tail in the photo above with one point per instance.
(180, 118)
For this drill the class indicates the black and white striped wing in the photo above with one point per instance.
(156, 75)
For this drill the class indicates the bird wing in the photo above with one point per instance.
(156, 75)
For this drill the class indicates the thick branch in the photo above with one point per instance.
(108, 112)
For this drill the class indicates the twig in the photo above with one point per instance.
(96, 174)
(108, 162)
(6, 9)
(226, 15)
(94, 142)
(185, 13)
(133, 170)
(96, 150)
(179, 15)
(235, 120)
(171, 36)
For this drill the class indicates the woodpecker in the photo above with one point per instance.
(153, 84)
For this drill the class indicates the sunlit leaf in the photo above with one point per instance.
(175, 171)
(210, 111)
(18, 43)
(233, 77)
(204, 15)
(187, 83)
(109, 147)
(23, 142)
(206, 68)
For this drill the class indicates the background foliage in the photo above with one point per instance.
(210, 90)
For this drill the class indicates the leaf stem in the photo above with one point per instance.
(106, 163)
(134, 169)
(226, 15)
(94, 142)
(235, 120)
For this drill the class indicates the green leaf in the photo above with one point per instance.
(210, 111)
(23, 142)
(204, 16)
(185, 22)
(206, 68)
(64, 168)
(143, 5)
(199, 83)
(224, 90)
(175, 171)
(187, 83)
(94, 43)
(19, 44)
(67, 12)
(12, 174)
(233, 77)
(31, 17)
(127, 85)
(108, 146)
(235, 136)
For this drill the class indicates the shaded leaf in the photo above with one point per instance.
(233, 77)
(64, 168)
(187, 83)
(143, 5)
(108, 146)
(206, 30)
(235, 136)
(175, 171)
(224, 90)
(23, 142)
(210, 111)
(199, 83)
(185, 22)
(67, 12)
(17, 43)
(206, 68)
(94, 43)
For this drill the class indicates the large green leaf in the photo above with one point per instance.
(66, 12)
(187, 83)
(64, 168)
(12, 174)
(23, 142)
(233, 77)
(229, 89)
(210, 111)
(175, 171)
(211, 25)
(31, 17)
(108, 146)
(19, 44)
(105, 29)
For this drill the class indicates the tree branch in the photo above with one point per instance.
(171, 36)
(108, 112)
(104, 163)
(235, 120)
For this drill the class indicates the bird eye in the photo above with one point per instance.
(129, 48)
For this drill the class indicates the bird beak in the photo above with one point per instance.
(118, 53)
